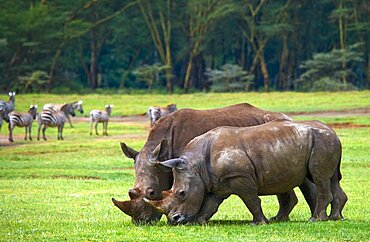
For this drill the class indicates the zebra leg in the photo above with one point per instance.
(38, 131)
(106, 128)
(91, 126)
(70, 122)
(29, 132)
(96, 128)
(61, 132)
(11, 132)
(26, 131)
(43, 132)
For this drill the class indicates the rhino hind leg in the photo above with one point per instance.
(287, 202)
(339, 199)
(323, 198)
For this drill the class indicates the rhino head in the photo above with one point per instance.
(182, 203)
(149, 183)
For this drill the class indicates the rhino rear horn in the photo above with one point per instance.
(156, 204)
(128, 151)
(124, 206)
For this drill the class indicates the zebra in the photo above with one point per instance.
(156, 113)
(97, 116)
(50, 118)
(69, 110)
(22, 120)
(6, 108)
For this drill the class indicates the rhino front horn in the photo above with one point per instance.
(125, 206)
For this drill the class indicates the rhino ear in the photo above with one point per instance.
(128, 151)
(166, 166)
(161, 152)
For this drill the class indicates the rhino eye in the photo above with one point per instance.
(181, 194)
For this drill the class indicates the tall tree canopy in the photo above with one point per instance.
(82, 45)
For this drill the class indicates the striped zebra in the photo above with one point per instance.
(156, 113)
(17, 119)
(6, 108)
(68, 110)
(97, 116)
(49, 118)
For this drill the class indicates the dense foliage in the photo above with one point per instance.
(79, 45)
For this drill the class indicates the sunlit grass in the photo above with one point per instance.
(137, 104)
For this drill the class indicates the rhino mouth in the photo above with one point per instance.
(178, 218)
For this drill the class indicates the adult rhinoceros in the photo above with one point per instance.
(268, 159)
(178, 129)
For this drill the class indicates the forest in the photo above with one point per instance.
(82, 46)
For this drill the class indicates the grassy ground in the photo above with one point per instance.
(136, 104)
(61, 190)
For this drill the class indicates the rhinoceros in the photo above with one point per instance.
(178, 129)
(268, 159)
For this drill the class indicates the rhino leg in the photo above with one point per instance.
(246, 189)
(339, 199)
(308, 190)
(323, 198)
(209, 207)
(287, 201)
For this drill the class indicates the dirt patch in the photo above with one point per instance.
(339, 113)
(347, 125)
(76, 177)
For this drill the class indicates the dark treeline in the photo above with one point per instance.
(219, 45)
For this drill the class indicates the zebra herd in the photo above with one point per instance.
(52, 115)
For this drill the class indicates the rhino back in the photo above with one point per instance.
(188, 124)
(275, 155)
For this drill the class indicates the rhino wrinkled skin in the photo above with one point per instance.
(177, 129)
(268, 159)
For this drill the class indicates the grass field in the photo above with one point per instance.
(61, 190)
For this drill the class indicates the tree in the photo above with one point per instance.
(325, 71)
(229, 78)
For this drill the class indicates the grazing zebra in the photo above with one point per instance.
(68, 110)
(156, 113)
(48, 118)
(97, 116)
(22, 120)
(6, 108)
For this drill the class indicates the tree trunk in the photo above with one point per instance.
(265, 74)
(93, 61)
(188, 73)
(283, 69)
(53, 66)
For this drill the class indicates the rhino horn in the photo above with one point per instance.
(124, 206)
(156, 204)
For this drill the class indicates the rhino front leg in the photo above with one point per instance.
(209, 207)
(246, 189)
(287, 202)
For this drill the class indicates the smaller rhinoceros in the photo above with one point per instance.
(268, 159)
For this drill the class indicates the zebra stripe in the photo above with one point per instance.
(68, 109)
(98, 116)
(17, 119)
(6, 108)
(49, 118)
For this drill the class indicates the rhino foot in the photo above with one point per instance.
(279, 219)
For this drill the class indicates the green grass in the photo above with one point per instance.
(138, 104)
(61, 190)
